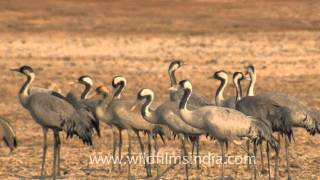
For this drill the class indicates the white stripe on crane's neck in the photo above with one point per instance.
(172, 76)
(24, 91)
(236, 81)
(88, 80)
(119, 80)
(223, 84)
(148, 93)
(253, 76)
(187, 86)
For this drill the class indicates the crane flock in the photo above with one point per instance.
(255, 119)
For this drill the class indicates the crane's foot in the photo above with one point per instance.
(289, 178)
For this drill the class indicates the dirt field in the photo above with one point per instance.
(137, 39)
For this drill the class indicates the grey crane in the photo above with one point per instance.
(222, 76)
(120, 114)
(168, 114)
(224, 124)
(266, 110)
(302, 116)
(55, 113)
(95, 105)
(176, 93)
(8, 134)
(101, 113)
(196, 100)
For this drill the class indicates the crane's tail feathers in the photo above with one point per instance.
(263, 130)
(80, 126)
(286, 120)
(9, 138)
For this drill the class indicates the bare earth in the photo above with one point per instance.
(137, 39)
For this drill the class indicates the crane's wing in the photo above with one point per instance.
(10, 137)
(85, 110)
(53, 112)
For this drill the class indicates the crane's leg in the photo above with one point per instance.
(193, 147)
(58, 154)
(120, 147)
(268, 158)
(276, 166)
(263, 170)
(185, 155)
(156, 148)
(44, 152)
(55, 148)
(149, 152)
(129, 155)
(198, 153)
(114, 146)
(287, 157)
(255, 163)
(143, 154)
(222, 144)
(248, 160)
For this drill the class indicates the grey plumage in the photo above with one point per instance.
(224, 124)
(8, 134)
(302, 115)
(168, 114)
(55, 113)
(119, 113)
(263, 108)
(85, 111)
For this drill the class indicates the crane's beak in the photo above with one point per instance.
(173, 88)
(71, 83)
(211, 77)
(15, 70)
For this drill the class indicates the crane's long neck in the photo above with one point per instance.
(219, 94)
(86, 92)
(238, 90)
(119, 90)
(187, 115)
(250, 90)
(24, 91)
(173, 79)
(101, 108)
(148, 114)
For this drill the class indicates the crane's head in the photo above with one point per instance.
(185, 84)
(85, 80)
(118, 81)
(102, 90)
(26, 70)
(144, 94)
(176, 64)
(220, 75)
(238, 76)
(250, 69)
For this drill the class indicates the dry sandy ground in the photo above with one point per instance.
(137, 39)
